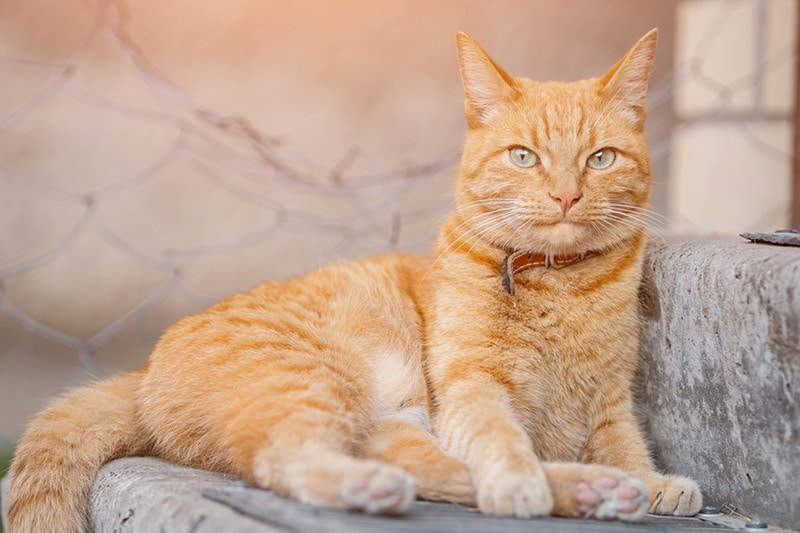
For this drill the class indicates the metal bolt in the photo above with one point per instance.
(755, 525)
(708, 510)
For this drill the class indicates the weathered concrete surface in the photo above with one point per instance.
(149, 495)
(3, 499)
(430, 517)
(721, 371)
(145, 495)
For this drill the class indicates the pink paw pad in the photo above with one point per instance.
(386, 490)
(608, 498)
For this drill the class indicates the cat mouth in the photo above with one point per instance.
(565, 225)
(561, 237)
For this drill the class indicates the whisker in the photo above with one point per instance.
(643, 218)
(652, 216)
(482, 218)
(476, 225)
(498, 222)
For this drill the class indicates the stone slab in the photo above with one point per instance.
(427, 517)
(144, 495)
(148, 495)
(720, 371)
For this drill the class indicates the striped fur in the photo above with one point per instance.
(361, 385)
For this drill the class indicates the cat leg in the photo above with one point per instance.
(475, 423)
(403, 441)
(304, 450)
(616, 440)
(578, 490)
(328, 478)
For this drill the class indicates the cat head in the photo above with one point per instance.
(550, 167)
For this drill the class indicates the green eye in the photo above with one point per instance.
(601, 159)
(522, 157)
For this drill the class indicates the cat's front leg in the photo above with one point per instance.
(616, 440)
(476, 424)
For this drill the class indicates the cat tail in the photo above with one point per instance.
(62, 450)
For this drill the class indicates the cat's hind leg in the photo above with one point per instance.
(403, 441)
(328, 478)
(305, 450)
(617, 440)
(595, 491)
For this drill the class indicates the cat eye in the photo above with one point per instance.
(522, 157)
(601, 159)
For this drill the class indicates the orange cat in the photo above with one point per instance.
(497, 372)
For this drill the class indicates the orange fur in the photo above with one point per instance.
(360, 385)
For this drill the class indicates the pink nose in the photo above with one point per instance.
(566, 198)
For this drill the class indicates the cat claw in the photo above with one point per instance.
(676, 496)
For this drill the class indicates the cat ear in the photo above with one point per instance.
(486, 85)
(626, 82)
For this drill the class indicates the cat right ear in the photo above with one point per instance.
(486, 85)
(626, 82)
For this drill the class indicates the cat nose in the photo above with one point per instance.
(566, 198)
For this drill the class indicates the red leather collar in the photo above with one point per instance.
(515, 263)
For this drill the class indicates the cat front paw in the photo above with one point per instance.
(674, 496)
(522, 493)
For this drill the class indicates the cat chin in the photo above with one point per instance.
(562, 238)
(567, 238)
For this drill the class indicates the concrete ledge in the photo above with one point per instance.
(720, 389)
(146, 494)
(721, 371)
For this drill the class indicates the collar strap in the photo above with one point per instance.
(515, 263)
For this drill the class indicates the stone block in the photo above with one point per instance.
(720, 372)
(145, 495)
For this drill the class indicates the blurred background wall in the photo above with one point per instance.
(156, 156)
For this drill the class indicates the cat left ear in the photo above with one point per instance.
(486, 85)
(626, 82)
